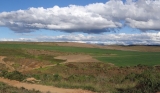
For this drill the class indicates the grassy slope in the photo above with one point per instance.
(91, 76)
(117, 57)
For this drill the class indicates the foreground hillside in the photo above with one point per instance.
(109, 69)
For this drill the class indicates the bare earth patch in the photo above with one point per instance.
(7, 65)
(77, 58)
(21, 65)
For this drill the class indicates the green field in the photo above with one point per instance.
(117, 57)
(132, 60)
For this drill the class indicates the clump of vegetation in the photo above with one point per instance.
(4, 88)
(101, 77)
(148, 82)
(72, 81)
(15, 75)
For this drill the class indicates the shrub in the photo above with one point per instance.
(15, 75)
(148, 82)
(56, 77)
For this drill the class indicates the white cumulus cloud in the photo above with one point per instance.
(93, 18)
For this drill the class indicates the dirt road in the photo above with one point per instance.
(42, 88)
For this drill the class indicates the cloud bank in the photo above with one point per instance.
(106, 39)
(93, 18)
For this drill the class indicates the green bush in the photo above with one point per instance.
(56, 77)
(15, 75)
(148, 82)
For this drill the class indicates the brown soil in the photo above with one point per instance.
(77, 58)
(42, 88)
(10, 68)
(22, 64)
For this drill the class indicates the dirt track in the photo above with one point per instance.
(42, 88)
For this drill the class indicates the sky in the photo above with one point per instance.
(86, 21)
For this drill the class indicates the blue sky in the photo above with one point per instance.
(93, 21)
(13, 5)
